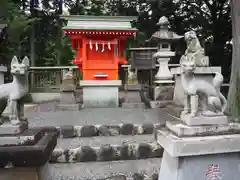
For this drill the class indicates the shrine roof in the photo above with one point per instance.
(80, 22)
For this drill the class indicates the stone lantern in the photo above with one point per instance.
(163, 91)
(164, 37)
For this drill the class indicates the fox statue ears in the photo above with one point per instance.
(24, 61)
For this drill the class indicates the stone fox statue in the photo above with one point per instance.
(14, 92)
(201, 96)
(195, 50)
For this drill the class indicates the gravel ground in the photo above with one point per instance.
(91, 116)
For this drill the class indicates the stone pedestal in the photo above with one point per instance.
(67, 96)
(100, 93)
(24, 157)
(3, 70)
(203, 73)
(162, 94)
(199, 152)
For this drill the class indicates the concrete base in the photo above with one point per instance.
(203, 120)
(101, 93)
(209, 167)
(203, 73)
(8, 129)
(205, 157)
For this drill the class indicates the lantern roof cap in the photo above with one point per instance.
(164, 33)
(163, 21)
(82, 22)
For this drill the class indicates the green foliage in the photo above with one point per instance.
(209, 18)
(17, 31)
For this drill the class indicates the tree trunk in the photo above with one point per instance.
(234, 89)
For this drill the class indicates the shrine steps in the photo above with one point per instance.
(146, 169)
(103, 143)
(110, 148)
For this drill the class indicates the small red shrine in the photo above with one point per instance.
(100, 43)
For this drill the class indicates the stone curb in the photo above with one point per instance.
(107, 130)
(107, 153)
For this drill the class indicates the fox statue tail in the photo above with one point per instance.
(217, 83)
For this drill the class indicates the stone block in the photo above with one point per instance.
(127, 129)
(111, 130)
(144, 151)
(88, 131)
(86, 154)
(203, 120)
(101, 93)
(107, 153)
(67, 131)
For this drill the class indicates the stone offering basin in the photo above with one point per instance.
(32, 148)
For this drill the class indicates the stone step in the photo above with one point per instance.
(99, 121)
(146, 169)
(106, 149)
(69, 131)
